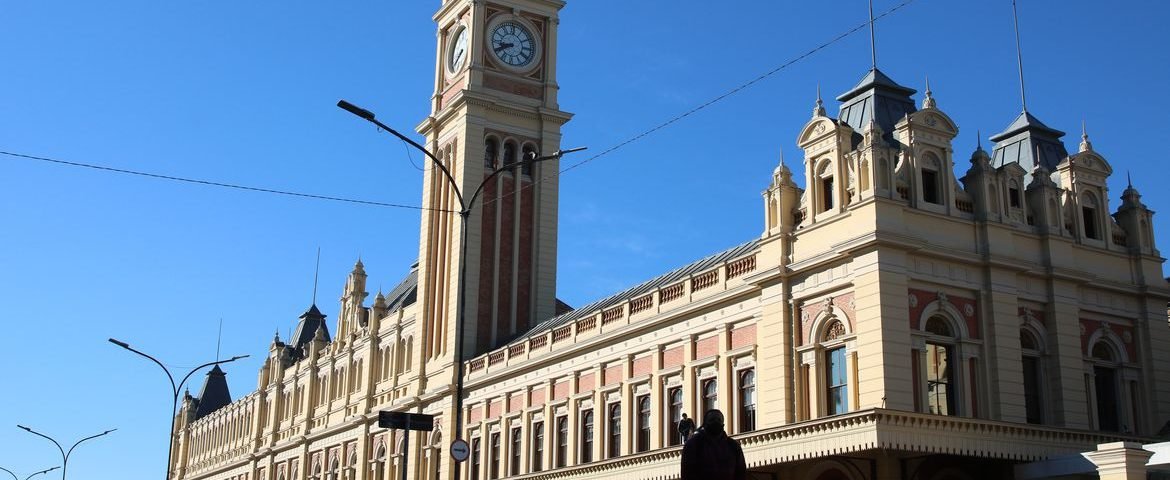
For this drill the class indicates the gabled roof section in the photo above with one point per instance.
(405, 293)
(660, 281)
(214, 394)
(1020, 141)
(876, 97)
(311, 320)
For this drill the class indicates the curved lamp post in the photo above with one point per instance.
(14, 477)
(464, 212)
(175, 389)
(64, 453)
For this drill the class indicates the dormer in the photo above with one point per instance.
(1084, 175)
(926, 136)
(781, 202)
(826, 176)
(1012, 178)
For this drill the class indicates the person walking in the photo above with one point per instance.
(711, 454)
(686, 427)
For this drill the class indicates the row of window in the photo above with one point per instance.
(492, 158)
(587, 433)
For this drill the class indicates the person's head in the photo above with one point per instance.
(684, 415)
(713, 422)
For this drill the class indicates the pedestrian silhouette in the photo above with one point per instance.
(711, 454)
(686, 426)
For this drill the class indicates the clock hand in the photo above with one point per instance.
(503, 46)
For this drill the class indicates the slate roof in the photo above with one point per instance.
(877, 97)
(311, 320)
(405, 293)
(668, 278)
(1018, 144)
(214, 395)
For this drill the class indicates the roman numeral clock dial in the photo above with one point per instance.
(513, 44)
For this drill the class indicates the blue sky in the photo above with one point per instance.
(245, 92)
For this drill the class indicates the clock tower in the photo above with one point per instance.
(495, 100)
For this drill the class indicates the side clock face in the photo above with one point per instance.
(458, 53)
(513, 44)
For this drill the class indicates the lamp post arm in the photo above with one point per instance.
(47, 470)
(10, 473)
(174, 388)
(205, 365)
(79, 443)
(39, 434)
(528, 161)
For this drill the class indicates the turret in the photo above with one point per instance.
(353, 316)
(1138, 222)
(781, 201)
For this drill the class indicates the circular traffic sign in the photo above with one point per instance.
(460, 450)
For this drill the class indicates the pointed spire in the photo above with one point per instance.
(1128, 179)
(872, 37)
(359, 266)
(928, 100)
(1019, 57)
(980, 157)
(819, 109)
(1086, 145)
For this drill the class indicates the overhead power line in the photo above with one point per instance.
(216, 184)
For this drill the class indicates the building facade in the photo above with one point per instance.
(893, 320)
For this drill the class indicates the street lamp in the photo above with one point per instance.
(464, 212)
(14, 477)
(64, 454)
(175, 389)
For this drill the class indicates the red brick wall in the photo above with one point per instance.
(642, 366)
(967, 307)
(507, 204)
(487, 262)
(515, 403)
(537, 397)
(743, 336)
(613, 375)
(524, 266)
(707, 347)
(475, 415)
(586, 382)
(672, 357)
(561, 390)
(495, 409)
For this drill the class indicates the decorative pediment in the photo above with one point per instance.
(1089, 161)
(818, 128)
(934, 119)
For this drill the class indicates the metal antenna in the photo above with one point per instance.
(873, 37)
(1019, 56)
(316, 272)
(219, 339)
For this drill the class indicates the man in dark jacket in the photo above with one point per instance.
(686, 427)
(711, 454)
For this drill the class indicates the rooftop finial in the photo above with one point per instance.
(316, 273)
(978, 140)
(1128, 179)
(928, 100)
(219, 339)
(872, 37)
(1086, 145)
(819, 110)
(1019, 56)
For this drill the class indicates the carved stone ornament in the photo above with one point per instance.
(836, 330)
(942, 298)
(820, 128)
(913, 300)
(1084, 330)
(969, 310)
(1127, 337)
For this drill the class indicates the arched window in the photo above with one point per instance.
(1105, 386)
(643, 423)
(474, 466)
(529, 153)
(514, 454)
(586, 454)
(1015, 200)
(562, 442)
(537, 446)
(940, 374)
(380, 463)
(674, 415)
(509, 153)
(710, 396)
(334, 470)
(490, 151)
(882, 174)
(1089, 216)
(747, 400)
(1030, 348)
(615, 430)
(494, 466)
(317, 471)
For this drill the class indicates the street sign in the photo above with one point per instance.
(406, 421)
(459, 450)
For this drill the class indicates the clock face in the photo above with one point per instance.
(458, 53)
(513, 44)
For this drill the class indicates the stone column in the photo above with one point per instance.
(1120, 461)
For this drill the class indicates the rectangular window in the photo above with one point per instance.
(836, 381)
(1014, 197)
(586, 455)
(747, 399)
(1032, 387)
(537, 446)
(1105, 380)
(494, 467)
(514, 467)
(1089, 215)
(710, 396)
(562, 442)
(615, 430)
(939, 380)
(674, 415)
(827, 194)
(643, 404)
(930, 190)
